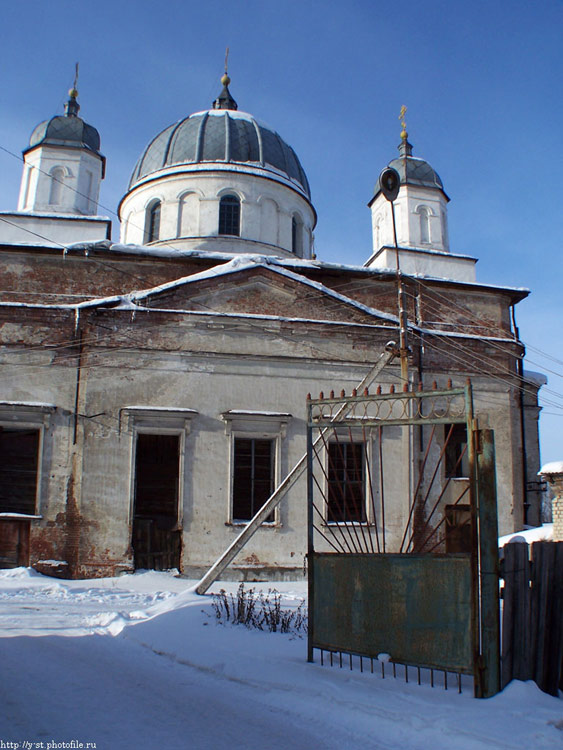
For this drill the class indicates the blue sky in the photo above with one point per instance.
(482, 82)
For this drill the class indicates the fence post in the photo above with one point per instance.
(516, 614)
(547, 608)
(489, 672)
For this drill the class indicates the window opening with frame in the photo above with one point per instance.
(346, 484)
(19, 463)
(253, 476)
(296, 236)
(229, 215)
(457, 458)
(153, 224)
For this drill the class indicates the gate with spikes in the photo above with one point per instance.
(402, 532)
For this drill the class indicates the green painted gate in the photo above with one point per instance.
(402, 525)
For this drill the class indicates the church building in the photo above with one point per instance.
(153, 390)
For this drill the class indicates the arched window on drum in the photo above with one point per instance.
(229, 215)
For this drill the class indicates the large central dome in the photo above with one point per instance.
(221, 135)
(220, 181)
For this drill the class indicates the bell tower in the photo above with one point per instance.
(421, 217)
(63, 166)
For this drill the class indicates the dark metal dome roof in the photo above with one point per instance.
(67, 129)
(62, 129)
(221, 135)
(413, 171)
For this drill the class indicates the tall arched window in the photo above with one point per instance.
(229, 215)
(153, 222)
(424, 214)
(297, 236)
(57, 180)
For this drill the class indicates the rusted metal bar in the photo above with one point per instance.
(361, 473)
(340, 507)
(439, 525)
(442, 453)
(372, 499)
(435, 506)
(321, 515)
(415, 496)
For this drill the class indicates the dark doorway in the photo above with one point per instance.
(156, 531)
(19, 461)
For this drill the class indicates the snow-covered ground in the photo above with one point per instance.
(139, 662)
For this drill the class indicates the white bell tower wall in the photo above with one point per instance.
(61, 179)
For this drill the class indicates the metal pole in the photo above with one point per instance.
(403, 321)
(254, 524)
(310, 541)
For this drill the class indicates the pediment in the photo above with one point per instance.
(258, 290)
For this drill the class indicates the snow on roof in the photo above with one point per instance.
(173, 409)
(554, 467)
(30, 404)
(172, 252)
(536, 534)
(246, 262)
(47, 215)
(536, 378)
(249, 412)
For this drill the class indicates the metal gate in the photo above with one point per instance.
(402, 532)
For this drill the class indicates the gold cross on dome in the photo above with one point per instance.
(402, 117)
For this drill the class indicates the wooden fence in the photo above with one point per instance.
(532, 614)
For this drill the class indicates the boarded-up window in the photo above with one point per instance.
(253, 476)
(19, 452)
(346, 490)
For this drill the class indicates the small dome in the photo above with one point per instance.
(64, 131)
(221, 135)
(414, 171)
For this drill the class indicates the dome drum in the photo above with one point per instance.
(280, 219)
